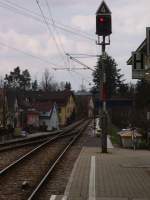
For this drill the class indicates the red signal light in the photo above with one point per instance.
(103, 25)
(101, 19)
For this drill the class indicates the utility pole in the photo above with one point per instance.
(103, 30)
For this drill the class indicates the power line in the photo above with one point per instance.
(69, 69)
(36, 17)
(10, 6)
(82, 55)
(28, 54)
(50, 31)
(79, 62)
(53, 24)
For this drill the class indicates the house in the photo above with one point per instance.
(66, 107)
(13, 109)
(33, 118)
(65, 101)
(27, 114)
(140, 59)
(23, 113)
(85, 104)
(48, 116)
(3, 108)
(32, 112)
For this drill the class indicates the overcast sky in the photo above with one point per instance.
(27, 32)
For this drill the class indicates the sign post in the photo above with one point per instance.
(103, 30)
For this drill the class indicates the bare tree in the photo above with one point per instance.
(82, 88)
(1, 82)
(47, 80)
(62, 85)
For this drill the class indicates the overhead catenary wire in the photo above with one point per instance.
(69, 69)
(51, 32)
(83, 55)
(35, 16)
(79, 62)
(53, 24)
(29, 54)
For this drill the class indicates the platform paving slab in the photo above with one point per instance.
(63, 197)
(109, 198)
(121, 174)
(58, 197)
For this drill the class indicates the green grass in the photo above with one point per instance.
(112, 131)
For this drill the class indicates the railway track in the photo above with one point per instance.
(35, 140)
(13, 150)
(29, 166)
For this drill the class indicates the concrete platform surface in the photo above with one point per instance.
(121, 174)
(118, 175)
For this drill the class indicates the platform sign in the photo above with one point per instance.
(148, 40)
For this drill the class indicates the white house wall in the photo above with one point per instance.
(52, 121)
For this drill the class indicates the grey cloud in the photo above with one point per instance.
(31, 36)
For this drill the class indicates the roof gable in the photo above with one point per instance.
(43, 106)
(141, 48)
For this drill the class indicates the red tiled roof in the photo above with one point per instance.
(60, 97)
(43, 106)
(35, 112)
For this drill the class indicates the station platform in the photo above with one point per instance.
(37, 135)
(121, 174)
(30, 137)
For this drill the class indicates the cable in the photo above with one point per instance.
(28, 54)
(53, 24)
(7, 6)
(36, 17)
(81, 55)
(79, 62)
(50, 31)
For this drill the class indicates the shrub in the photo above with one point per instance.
(143, 145)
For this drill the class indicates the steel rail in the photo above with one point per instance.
(24, 139)
(43, 180)
(34, 140)
(22, 158)
(25, 143)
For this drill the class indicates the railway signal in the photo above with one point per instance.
(103, 20)
(103, 30)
